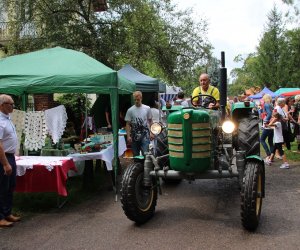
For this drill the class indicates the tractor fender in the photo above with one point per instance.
(261, 161)
(239, 110)
(257, 157)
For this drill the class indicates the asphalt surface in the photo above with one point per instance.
(202, 215)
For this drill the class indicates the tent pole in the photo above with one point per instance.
(86, 121)
(114, 101)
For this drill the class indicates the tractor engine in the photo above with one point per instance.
(191, 139)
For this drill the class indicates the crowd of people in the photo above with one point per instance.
(280, 126)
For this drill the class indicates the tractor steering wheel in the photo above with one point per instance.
(203, 101)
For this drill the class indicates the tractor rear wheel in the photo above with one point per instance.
(138, 201)
(248, 136)
(252, 194)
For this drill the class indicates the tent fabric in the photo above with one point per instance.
(143, 82)
(292, 93)
(261, 93)
(171, 92)
(58, 70)
(285, 90)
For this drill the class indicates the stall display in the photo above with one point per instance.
(35, 130)
(43, 174)
(56, 120)
(18, 119)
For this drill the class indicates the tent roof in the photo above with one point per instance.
(261, 93)
(284, 90)
(173, 89)
(143, 82)
(58, 70)
(292, 93)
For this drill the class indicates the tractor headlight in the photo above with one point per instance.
(228, 127)
(156, 128)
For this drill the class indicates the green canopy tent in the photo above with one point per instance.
(60, 70)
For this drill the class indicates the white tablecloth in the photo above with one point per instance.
(106, 155)
(27, 162)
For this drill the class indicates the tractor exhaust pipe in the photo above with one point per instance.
(223, 86)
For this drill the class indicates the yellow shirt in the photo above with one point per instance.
(213, 91)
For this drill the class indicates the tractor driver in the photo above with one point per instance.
(206, 89)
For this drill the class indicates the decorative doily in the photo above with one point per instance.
(56, 120)
(35, 130)
(18, 119)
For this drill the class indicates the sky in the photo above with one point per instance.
(234, 26)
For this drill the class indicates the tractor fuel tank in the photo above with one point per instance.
(189, 139)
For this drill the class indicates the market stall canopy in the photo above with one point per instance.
(59, 70)
(171, 92)
(143, 82)
(292, 93)
(285, 90)
(261, 93)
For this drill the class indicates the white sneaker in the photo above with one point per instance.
(285, 166)
(279, 157)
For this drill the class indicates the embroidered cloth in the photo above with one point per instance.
(27, 162)
(56, 120)
(35, 130)
(18, 119)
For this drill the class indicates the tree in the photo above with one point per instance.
(271, 58)
(245, 77)
(149, 34)
(294, 11)
(293, 54)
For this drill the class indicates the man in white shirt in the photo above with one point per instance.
(138, 120)
(8, 146)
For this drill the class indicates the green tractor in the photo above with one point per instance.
(200, 143)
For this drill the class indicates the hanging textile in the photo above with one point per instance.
(90, 123)
(35, 130)
(56, 120)
(18, 119)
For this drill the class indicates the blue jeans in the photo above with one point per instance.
(267, 133)
(7, 186)
(142, 145)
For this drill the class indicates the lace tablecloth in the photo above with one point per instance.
(27, 162)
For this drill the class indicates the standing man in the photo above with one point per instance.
(206, 89)
(8, 145)
(138, 120)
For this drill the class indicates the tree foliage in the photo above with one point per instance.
(271, 56)
(276, 61)
(149, 34)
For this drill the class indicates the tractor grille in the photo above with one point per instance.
(196, 139)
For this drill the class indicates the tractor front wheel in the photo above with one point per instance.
(252, 194)
(138, 201)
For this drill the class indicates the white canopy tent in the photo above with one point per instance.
(171, 92)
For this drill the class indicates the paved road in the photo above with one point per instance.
(201, 215)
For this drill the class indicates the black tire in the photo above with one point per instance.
(248, 136)
(252, 195)
(138, 202)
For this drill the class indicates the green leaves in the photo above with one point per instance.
(149, 34)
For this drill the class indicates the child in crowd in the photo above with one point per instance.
(275, 123)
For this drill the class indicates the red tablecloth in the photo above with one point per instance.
(40, 179)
